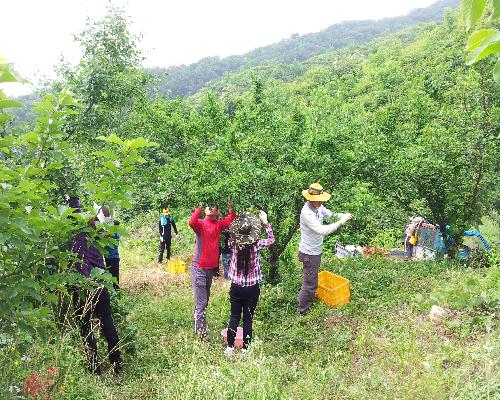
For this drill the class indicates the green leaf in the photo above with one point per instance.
(476, 38)
(110, 165)
(496, 9)
(66, 99)
(489, 45)
(107, 154)
(8, 103)
(496, 72)
(113, 138)
(50, 297)
(140, 142)
(472, 11)
(6, 75)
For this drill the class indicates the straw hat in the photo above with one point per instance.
(244, 230)
(315, 192)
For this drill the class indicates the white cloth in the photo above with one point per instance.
(312, 229)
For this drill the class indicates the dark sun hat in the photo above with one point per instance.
(244, 230)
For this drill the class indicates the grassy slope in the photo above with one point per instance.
(380, 346)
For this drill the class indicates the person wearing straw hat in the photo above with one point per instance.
(245, 273)
(312, 232)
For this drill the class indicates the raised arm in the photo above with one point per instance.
(270, 238)
(226, 221)
(317, 227)
(195, 221)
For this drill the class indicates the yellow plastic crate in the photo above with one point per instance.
(176, 267)
(333, 290)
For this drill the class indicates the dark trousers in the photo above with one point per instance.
(408, 247)
(97, 303)
(113, 266)
(243, 300)
(310, 281)
(202, 282)
(166, 244)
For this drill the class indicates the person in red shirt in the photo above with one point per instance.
(208, 230)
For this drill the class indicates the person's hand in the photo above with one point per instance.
(346, 217)
(177, 237)
(263, 217)
(230, 205)
(161, 239)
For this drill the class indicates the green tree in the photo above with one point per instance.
(38, 227)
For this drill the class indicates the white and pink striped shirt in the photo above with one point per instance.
(254, 275)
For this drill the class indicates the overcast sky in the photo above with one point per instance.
(35, 33)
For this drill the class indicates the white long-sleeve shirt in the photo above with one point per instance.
(312, 229)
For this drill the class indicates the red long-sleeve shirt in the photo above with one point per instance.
(210, 231)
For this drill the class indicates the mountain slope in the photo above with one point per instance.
(182, 81)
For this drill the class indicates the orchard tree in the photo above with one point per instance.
(38, 228)
(109, 79)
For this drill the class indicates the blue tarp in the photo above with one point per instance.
(433, 240)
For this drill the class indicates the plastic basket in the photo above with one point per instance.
(176, 267)
(238, 341)
(333, 290)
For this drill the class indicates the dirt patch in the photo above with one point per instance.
(152, 279)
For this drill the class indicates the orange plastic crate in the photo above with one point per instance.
(333, 290)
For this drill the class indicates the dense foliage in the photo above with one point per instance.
(398, 127)
(186, 80)
(392, 128)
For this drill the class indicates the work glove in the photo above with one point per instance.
(344, 217)
(263, 217)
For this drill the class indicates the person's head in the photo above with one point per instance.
(74, 202)
(244, 234)
(166, 211)
(316, 195)
(106, 212)
(212, 212)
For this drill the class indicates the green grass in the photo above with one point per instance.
(379, 346)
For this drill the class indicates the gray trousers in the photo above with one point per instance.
(309, 283)
(201, 280)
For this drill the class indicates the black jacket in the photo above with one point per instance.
(166, 230)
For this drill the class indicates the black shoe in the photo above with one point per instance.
(116, 367)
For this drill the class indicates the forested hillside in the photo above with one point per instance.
(186, 80)
(395, 127)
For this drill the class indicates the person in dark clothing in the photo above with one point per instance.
(111, 254)
(89, 303)
(165, 226)
(225, 252)
(112, 259)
